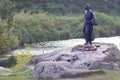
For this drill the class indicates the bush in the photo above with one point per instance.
(32, 28)
(106, 25)
(8, 41)
(8, 62)
(22, 58)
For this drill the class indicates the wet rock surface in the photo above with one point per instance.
(75, 59)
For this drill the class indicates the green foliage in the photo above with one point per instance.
(20, 72)
(18, 75)
(32, 28)
(6, 9)
(22, 58)
(107, 25)
(67, 7)
(8, 62)
(6, 14)
(7, 41)
(42, 27)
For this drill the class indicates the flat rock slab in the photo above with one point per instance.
(75, 59)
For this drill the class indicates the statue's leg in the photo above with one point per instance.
(86, 39)
(93, 37)
(91, 34)
(86, 33)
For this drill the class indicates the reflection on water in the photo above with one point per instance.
(38, 48)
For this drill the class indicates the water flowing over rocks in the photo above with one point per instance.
(76, 59)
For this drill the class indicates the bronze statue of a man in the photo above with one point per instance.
(89, 22)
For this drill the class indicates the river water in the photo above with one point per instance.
(46, 47)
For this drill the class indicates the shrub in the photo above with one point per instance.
(8, 62)
(22, 58)
(7, 42)
(32, 28)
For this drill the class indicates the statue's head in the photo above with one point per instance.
(87, 6)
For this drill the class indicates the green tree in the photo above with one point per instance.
(7, 39)
(7, 13)
(7, 42)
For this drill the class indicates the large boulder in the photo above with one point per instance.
(50, 69)
(75, 59)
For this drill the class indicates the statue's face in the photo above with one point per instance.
(87, 7)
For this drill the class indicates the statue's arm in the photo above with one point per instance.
(94, 22)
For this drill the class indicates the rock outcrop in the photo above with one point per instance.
(75, 59)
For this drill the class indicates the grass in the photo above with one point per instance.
(18, 75)
(93, 75)
(83, 74)
(110, 75)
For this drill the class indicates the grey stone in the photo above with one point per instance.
(72, 61)
(50, 69)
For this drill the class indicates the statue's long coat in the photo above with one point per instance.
(88, 26)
